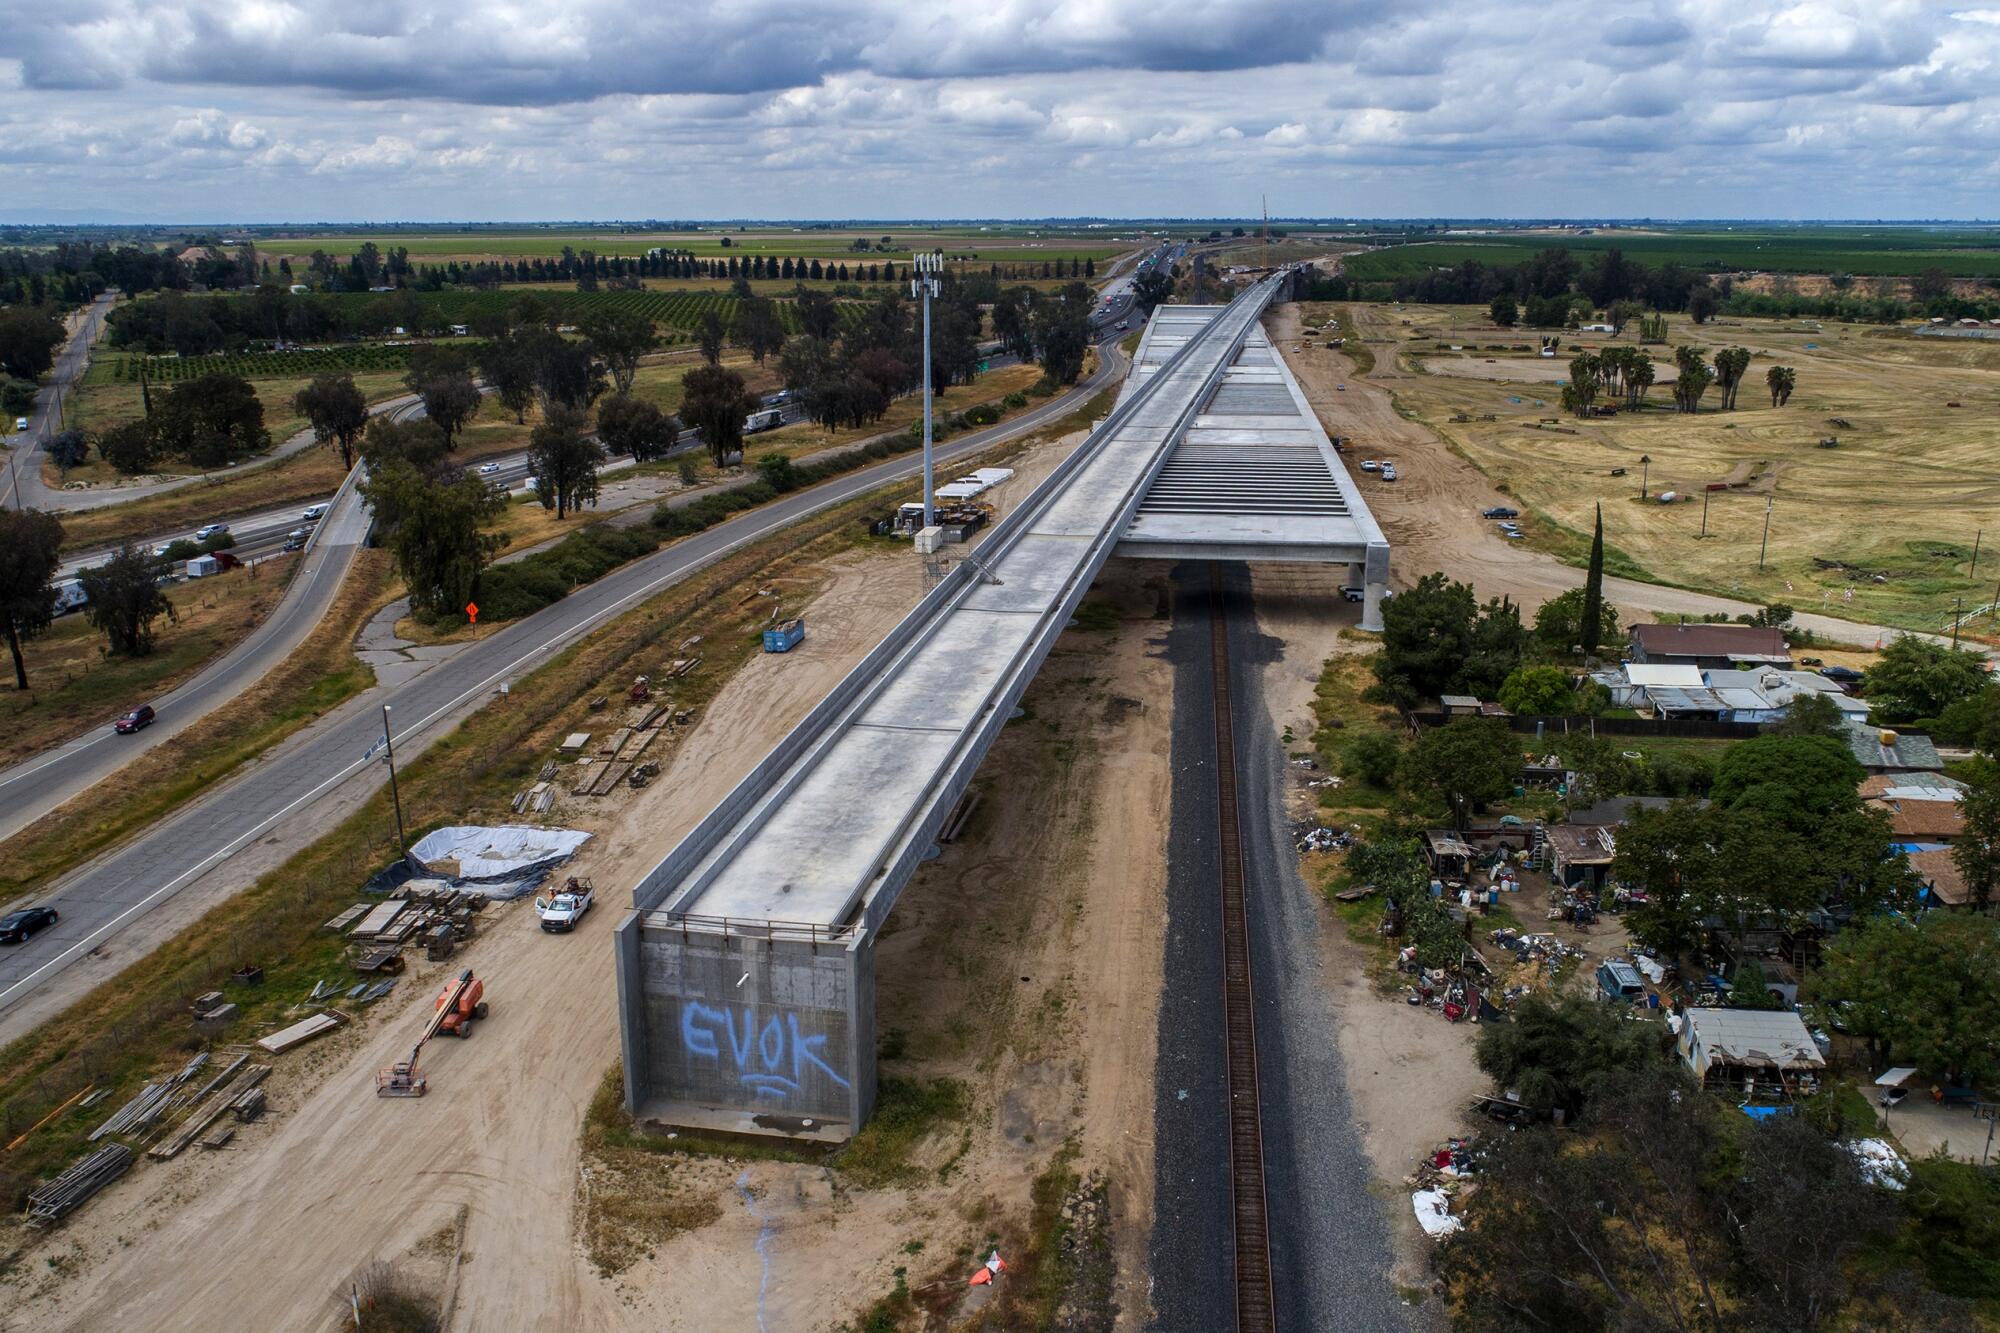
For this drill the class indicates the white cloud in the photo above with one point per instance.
(615, 108)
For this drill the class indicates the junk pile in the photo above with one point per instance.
(1457, 993)
(74, 1187)
(1320, 838)
(1441, 1176)
(1543, 951)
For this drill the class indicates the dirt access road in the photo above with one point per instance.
(1431, 512)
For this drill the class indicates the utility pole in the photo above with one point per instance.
(924, 286)
(1958, 614)
(1704, 510)
(1645, 464)
(389, 743)
(1769, 500)
(1974, 571)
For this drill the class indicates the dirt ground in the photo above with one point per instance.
(472, 1191)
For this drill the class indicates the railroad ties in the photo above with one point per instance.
(1256, 1310)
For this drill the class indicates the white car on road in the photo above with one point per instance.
(202, 534)
(488, 469)
(314, 513)
(1388, 472)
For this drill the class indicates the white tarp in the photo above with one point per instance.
(1434, 1213)
(488, 853)
(1880, 1163)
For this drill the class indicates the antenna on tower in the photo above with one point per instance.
(1267, 217)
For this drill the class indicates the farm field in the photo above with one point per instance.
(1879, 528)
(1010, 244)
(1890, 252)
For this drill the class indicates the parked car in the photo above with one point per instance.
(20, 424)
(16, 927)
(1620, 982)
(1388, 472)
(314, 513)
(1371, 465)
(1340, 388)
(1841, 675)
(488, 469)
(1499, 511)
(130, 722)
(1354, 593)
(202, 534)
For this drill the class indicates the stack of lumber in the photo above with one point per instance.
(299, 1033)
(74, 1187)
(207, 1111)
(150, 1103)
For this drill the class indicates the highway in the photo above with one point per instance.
(104, 903)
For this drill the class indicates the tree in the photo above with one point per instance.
(438, 538)
(1426, 637)
(125, 599)
(818, 316)
(629, 425)
(1805, 1211)
(1151, 289)
(566, 372)
(1810, 714)
(620, 337)
(28, 342)
(1797, 780)
(451, 399)
(1977, 851)
(1693, 378)
(1781, 380)
(708, 335)
(1559, 622)
(1671, 853)
(714, 402)
(1062, 333)
(417, 442)
(1585, 375)
(336, 410)
(1504, 311)
(1918, 678)
(1468, 762)
(565, 461)
(1933, 284)
(1590, 618)
(211, 421)
(1730, 365)
(1556, 1051)
(1538, 691)
(30, 555)
(1702, 304)
(1926, 992)
(758, 328)
(68, 449)
(128, 446)
(508, 364)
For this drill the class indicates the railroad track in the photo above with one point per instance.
(1256, 1310)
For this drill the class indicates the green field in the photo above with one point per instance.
(1002, 245)
(294, 363)
(1864, 251)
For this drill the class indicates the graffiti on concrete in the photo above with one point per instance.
(772, 1061)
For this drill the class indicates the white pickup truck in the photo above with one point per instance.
(560, 909)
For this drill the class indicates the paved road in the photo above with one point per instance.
(22, 487)
(36, 786)
(118, 890)
(1330, 1246)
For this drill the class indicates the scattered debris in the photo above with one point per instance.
(1880, 1163)
(1434, 1213)
(1320, 838)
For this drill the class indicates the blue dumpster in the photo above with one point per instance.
(784, 636)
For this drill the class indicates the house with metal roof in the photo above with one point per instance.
(1884, 750)
(1726, 1047)
(1710, 646)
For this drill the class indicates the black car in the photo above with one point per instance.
(1841, 674)
(16, 927)
(1499, 511)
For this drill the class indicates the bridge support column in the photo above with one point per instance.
(749, 1034)
(1375, 586)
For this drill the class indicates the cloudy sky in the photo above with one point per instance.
(291, 110)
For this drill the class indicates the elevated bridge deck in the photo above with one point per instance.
(746, 966)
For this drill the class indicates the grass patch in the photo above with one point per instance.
(907, 1111)
(1357, 352)
(320, 674)
(635, 1192)
(1097, 616)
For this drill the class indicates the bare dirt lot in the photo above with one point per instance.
(1018, 968)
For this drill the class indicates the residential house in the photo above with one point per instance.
(1763, 695)
(1733, 1047)
(1882, 750)
(1718, 647)
(1944, 882)
(1629, 682)
(1459, 705)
